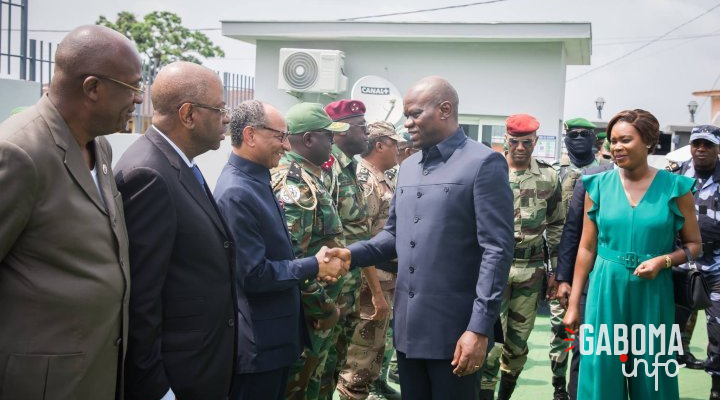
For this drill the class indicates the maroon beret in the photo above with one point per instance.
(521, 124)
(343, 109)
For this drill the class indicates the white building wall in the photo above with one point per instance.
(17, 93)
(491, 78)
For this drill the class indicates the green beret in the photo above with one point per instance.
(578, 123)
(601, 135)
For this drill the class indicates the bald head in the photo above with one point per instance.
(93, 50)
(437, 90)
(181, 82)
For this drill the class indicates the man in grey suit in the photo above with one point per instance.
(183, 306)
(64, 278)
(451, 229)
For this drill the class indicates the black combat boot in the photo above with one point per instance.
(690, 361)
(715, 391)
(487, 394)
(558, 383)
(507, 385)
(382, 388)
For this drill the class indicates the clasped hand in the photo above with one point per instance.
(332, 264)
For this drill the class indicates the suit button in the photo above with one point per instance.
(118, 342)
(412, 243)
(412, 270)
(419, 195)
(416, 219)
(226, 244)
(425, 172)
(231, 322)
(411, 294)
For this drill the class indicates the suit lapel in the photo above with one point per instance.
(201, 194)
(105, 177)
(73, 159)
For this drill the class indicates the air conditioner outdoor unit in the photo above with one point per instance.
(312, 71)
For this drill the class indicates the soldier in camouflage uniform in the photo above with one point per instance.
(538, 211)
(367, 347)
(353, 212)
(390, 368)
(580, 141)
(313, 222)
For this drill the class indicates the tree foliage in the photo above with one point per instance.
(162, 38)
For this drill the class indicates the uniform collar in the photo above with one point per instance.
(376, 173)
(304, 163)
(341, 157)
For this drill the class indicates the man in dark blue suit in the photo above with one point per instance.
(451, 229)
(265, 263)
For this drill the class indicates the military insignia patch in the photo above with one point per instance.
(289, 194)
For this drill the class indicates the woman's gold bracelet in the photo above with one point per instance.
(668, 261)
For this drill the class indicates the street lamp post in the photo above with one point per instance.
(599, 104)
(692, 107)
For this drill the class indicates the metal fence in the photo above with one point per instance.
(21, 57)
(236, 87)
(31, 60)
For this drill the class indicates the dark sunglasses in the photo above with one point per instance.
(525, 142)
(573, 134)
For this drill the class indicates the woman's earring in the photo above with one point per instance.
(648, 146)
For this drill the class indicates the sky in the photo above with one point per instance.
(649, 54)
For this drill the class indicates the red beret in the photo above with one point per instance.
(521, 124)
(339, 110)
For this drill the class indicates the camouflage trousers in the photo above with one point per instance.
(390, 357)
(558, 345)
(366, 352)
(342, 334)
(517, 315)
(304, 375)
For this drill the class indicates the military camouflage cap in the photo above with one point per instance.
(383, 129)
(306, 117)
(601, 135)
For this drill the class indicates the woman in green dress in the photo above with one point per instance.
(633, 215)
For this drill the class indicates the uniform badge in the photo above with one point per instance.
(105, 169)
(289, 194)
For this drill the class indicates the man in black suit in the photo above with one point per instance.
(183, 320)
(567, 252)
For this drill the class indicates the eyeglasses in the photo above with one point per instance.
(579, 132)
(283, 134)
(525, 142)
(139, 89)
(224, 111)
(363, 127)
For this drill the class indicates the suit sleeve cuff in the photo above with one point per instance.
(481, 324)
(309, 267)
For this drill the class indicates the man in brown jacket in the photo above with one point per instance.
(64, 281)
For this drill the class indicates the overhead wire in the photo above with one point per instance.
(633, 51)
(478, 3)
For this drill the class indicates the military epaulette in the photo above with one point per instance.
(543, 163)
(673, 166)
(295, 172)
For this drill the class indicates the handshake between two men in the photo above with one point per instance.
(332, 263)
